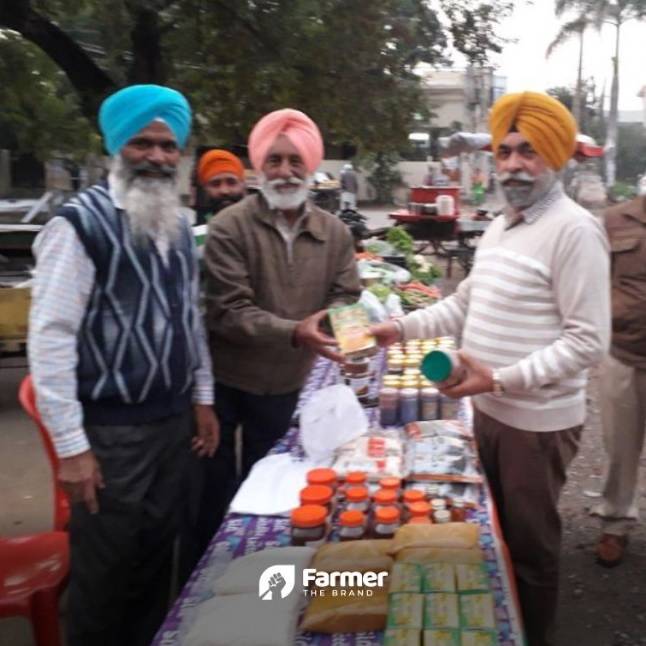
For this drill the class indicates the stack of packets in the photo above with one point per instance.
(440, 604)
(379, 454)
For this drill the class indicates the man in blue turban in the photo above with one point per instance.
(121, 367)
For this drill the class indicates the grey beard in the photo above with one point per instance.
(522, 197)
(284, 201)
(151, 204)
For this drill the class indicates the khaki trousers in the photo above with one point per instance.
(526, 471)
(623, 417)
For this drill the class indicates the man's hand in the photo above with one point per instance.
(386, 333)
(307, 333)
(80, 476)
(478, 379)
(207, 436)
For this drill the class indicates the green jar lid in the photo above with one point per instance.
(437, 366)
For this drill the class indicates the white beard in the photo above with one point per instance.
(281, 200)
(151, 204)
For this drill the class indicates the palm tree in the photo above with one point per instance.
(596, 13)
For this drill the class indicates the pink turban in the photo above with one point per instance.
(297, 127)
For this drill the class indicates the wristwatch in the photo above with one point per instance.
(498, 389)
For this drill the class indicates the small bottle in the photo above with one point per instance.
(391, 484)
(432, 490)
(419, 520)
(395, 365)
(449, 407)
(388, 405)
(322, 476)
(458, 511)
(317, 495)
(438, 504)
(429, 403)
(356, 479)
(309, 525)
(387, 522)
(416, 509)
(413, 495)
(442, 516)
(443, 366)
(352, 525)
(384, 498)
(357, 499)
(408, 405)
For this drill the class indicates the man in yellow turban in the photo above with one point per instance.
(533, 315)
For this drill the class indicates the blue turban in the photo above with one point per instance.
(124, 113)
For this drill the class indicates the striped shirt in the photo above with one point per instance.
(536, 306)
(60, 294)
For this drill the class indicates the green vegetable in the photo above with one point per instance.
(400, 239)
(380, 291)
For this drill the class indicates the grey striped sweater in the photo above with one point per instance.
(536, 306)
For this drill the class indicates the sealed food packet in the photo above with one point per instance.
(344, 610)
(405, 577)
(479, 638)
(441, 637)
(438, 577)
(406, 610)
(350, 325)
(441, 610)
(477, 611)
(401, 637)
(472, 578)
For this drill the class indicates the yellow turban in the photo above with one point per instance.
(544, 121)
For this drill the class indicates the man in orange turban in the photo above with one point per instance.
(221, 175)
(274, 263)
(533, 316)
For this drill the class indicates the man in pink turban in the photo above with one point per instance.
(274, 263)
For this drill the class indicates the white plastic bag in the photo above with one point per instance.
(331, 417)
(376, 311)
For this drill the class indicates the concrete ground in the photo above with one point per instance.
(598, 607)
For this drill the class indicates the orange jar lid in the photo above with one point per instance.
(351, 518)
(413, 495)
(387, 514)
(419, 508)
(385, 497)
(321, 477)
(356, 494)
(356, 478)
(390, 483)
(309, 516)
(316, 495)
(419, 520)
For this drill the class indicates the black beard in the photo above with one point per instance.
(216, 204)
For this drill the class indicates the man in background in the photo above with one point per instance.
(221, 176)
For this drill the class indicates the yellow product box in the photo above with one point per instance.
(401, 637)
(472, 578)
(477, 611)
(406, 610)
(441, 637)
(441, 610)
(350, 325)
(438, 577)
(405, 577)
(479, 638)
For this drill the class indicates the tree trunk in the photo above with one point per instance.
(613, 117)
(88, 79)
(577, 101)
(148, 61)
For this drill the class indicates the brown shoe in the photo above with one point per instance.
(610, 549)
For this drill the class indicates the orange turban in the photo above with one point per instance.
(214, 162)
(297, 127)
(544, 121)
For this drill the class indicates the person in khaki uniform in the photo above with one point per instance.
(274, 263)
(623, 379)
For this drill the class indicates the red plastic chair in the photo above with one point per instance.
(33, 572)
(27, 397)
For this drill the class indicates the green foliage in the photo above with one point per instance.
(622, 191)
(37, 116)
(400, 239)
(384, 174)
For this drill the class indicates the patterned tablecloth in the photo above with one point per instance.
(241, 534)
